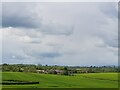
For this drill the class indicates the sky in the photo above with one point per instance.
(72, 33)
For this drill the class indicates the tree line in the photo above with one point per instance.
(63, 70)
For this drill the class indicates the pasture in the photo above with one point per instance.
(91, 80)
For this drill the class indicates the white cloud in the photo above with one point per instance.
(62, 33)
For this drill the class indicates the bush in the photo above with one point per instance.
(16, 82)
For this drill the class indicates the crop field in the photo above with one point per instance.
(91, 80)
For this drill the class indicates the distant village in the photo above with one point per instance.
(61, 70)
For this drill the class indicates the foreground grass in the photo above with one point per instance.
(96, 80)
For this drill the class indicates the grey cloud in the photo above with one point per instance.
(57, 29)
(50, 55)
(109, 42)
(90, 22)
(16, 21)
(19, 15)
(42, 54)
(54, 44)
(112, 43)
(109, 9)
(0, 14)
(12, 58)
(36, 42)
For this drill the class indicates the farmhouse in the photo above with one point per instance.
(59, 71)
(40, 71)
(50, 71)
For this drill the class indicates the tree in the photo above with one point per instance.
(65, 71)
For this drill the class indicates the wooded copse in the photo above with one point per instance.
(62, 70)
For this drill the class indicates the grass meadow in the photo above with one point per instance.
(91, 80)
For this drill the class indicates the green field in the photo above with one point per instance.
(93, 80)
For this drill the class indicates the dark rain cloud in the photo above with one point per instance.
(16, 21)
